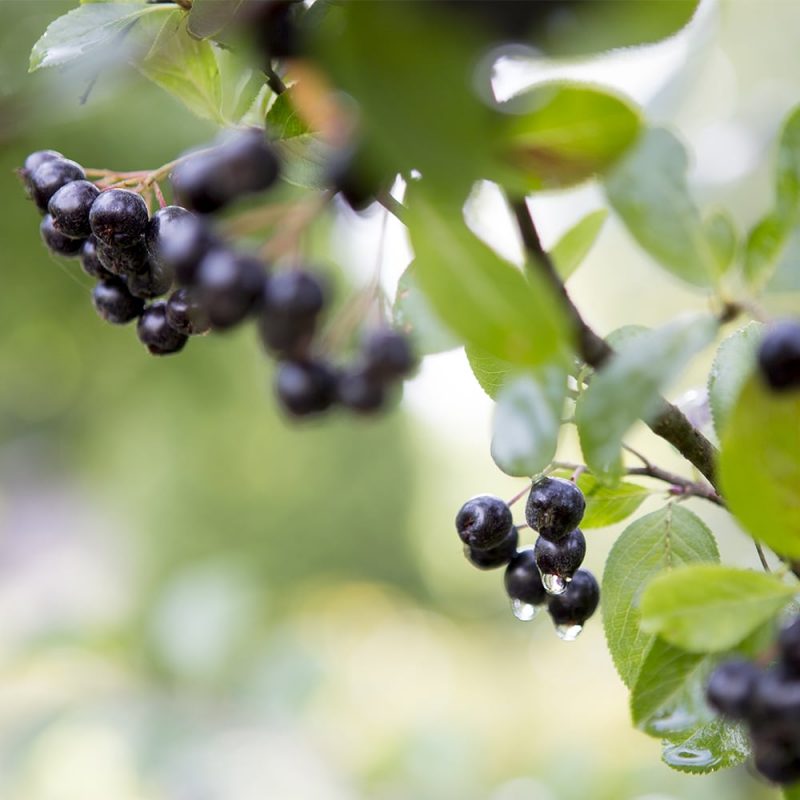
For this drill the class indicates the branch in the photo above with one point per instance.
(670, 423)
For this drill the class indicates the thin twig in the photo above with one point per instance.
(761, 557)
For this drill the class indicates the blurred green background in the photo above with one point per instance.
(198, 601)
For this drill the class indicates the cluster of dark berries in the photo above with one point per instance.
(546, 573)
(767, 701)
(779, 356)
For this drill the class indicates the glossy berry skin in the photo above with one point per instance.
(578, 602)
(119, 217)
(305, 388)
(494, 557)
(776, 756)
(522, 579)
(563, 557)
(789, 647)
(35, 160)
(91, 262)
(58, 243)
(50, 176)
(484, 522)
(153, 282)
(356, 390)
(114, 303)
(156, 334)
(555, 507)
(387, 354)
(731, 686)
(159, 228)
(183, 244)
(123, 261)
(185, 314)
(229, 287)
(69, 207)
(292, 303)
(779, 356)
(250, 161)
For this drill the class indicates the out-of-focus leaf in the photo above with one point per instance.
(732, 366)
(717, 744)
(628, 387)
(283, 120)
(575, 244)
(760, 465)
(559, 134)
(209, 17)
(787, 177)
(663, 540)
(527, 420)
(722, 238)
(649, 192)
(490, 372)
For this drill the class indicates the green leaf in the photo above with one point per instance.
(649, 192)
(708, 609)
(490, 372)
(240, 85)
(413, 314)
(527, 420)
(627, 388)
(717, 744)
(769, 244)
(575, 244)
(209, 17)
(607, 505)
(478, 295)
(283, 120)
(305, 160)
(732, 366)
(663, 540)
(559, 134)
(787, 178)
(760, 466)
(792, 792)
(88, 28)
(722, 239)
(661, 686)
(185, 67)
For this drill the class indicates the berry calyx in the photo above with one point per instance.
(731, 686)
(779, 356)
(484, 522)
(305, 388)
(119, 217)
(185, 314)
(114, 303)
(155, 332)
(69, 207)
(555, 507)
(561, 558)
(50, 176)
(578, 602)
(522, 579)
(58, 243)
(494, 557)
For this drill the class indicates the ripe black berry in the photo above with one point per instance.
(123, 261)
(153, 282)
(69, 208)
(359, 392)
(292, 303)
(250, 162)
(185, 314)
(229, 287)
(776, 755)
(775, 701)
(387, 354)
(355, 180)
(779, 355)
(305, 388)
(493, 557)
(114, 303)
(561, 558)
(119, 217)
(789, 646)
(555, 507)
(91, 262)
(33, 162)
(156, 333)
(159, 228)
(578, 602)
(182, 245)
(484, 521)
(522, 579)
(50, 176)
(731, 686)
(58, 243)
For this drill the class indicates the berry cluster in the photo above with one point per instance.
(136, 259)
(779, 356)
(767, 700)
(546, 573)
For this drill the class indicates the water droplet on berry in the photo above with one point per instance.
(568, 633)
(678, 755)
(524, 611)
(554, 584)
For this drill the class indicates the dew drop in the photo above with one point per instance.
(568, 633)
(524, 611)
(679, 755)
(554, 584)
